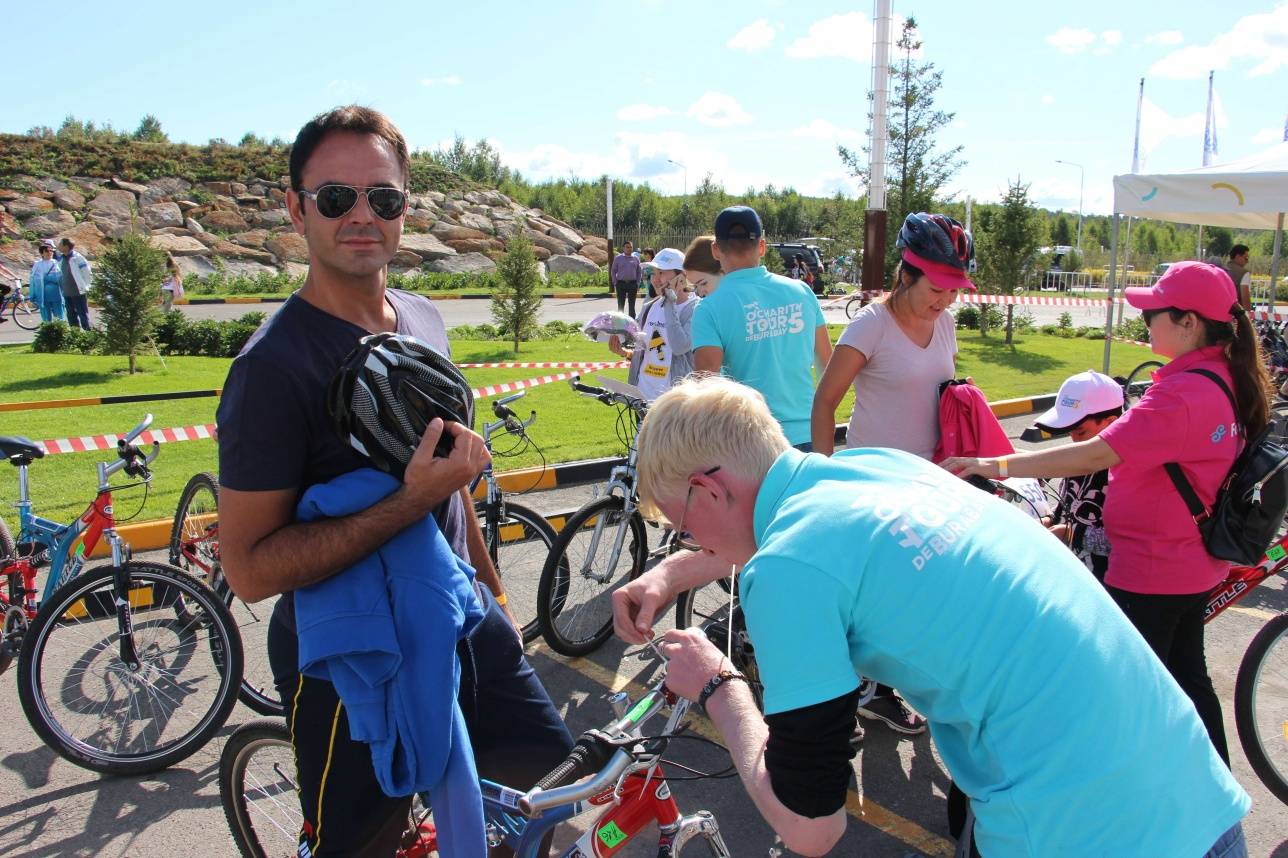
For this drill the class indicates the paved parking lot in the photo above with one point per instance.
(51, 808)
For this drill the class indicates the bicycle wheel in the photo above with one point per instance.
(194, 548)
(1279, 414)
(258, 792)
(26, 314)
(1140, 379)
(518, 549)
(108, 715)
(6, 541)
(599, 549)
(715, 609)
(853, 306)
(1261, 705)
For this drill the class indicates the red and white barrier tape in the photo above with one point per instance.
(1266, 315)
(549, 365)
(1036, 300)
(1129, 342)
(90, 443)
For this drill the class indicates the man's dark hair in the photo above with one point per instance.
(354, 119)
(737, 246)
(1238, 250)
(67, 241)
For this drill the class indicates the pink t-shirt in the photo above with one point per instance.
(896, 394)
(1184, 418)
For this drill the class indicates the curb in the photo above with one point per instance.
(153, 535)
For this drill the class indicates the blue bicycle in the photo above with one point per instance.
(623, 766)
(20, 308)
(126, 667)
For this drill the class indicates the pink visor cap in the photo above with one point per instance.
(941, 275)
(1195, 286)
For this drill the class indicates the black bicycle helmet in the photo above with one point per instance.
(387, 391)
(937, 238)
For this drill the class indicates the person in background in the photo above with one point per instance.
(625, 276)
(7, 275)
(762, 329)
(46, 284)
(1085, 406)
(1237, 268)
(1160, 570)
(664, 354)
(645, 257)
(702, 270)
(172, 286)
(76, 279)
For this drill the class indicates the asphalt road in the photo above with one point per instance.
(476, 311)
(50, 808)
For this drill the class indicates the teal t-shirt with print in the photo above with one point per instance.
(1048, 708)
(765, 324)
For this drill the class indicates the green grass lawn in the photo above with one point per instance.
(568, 427)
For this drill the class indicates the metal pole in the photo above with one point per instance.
(608, 208)
(1113, 281)
(1082, 176)
(1274, 259)
(968, 213)
(874, 219)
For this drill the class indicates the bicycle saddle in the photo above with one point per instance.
(17, 448)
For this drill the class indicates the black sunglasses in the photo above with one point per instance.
(1148, 315)
(335, 201)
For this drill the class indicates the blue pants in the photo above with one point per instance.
(51, 303)
(77, 310)
(515, 731)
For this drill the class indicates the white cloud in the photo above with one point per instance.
(848, 36)
(1166, 37)
(445, 80)
(1048, 99)
(719, 110)
(1112, 37)
(642, 112)
(1158, 126)
(756, 36)
(821, 129)
(1261, 39)
(1071, 40)
(1266, 136)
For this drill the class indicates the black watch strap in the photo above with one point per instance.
(716, 681)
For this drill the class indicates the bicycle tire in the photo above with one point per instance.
(256, 768)
(1279, 414)
(1264, 671)
(853, 306)
(518, 559)
(710, 607)
(25, 314)
(7, 548)
(1137, 382)
(575, 611)
(195, 531)
(184, 637)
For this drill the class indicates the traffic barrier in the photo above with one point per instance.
(1033, 300)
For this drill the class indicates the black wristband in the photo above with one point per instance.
(716, 681)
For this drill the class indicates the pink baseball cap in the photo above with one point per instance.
(1195, 286)
(942, 275)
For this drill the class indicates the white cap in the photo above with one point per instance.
(667, 259)
(1081, 395)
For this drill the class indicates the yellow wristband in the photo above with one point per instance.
(1001, 468)
(502, 599)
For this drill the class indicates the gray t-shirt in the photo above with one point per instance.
(896, 394)
(69, 281)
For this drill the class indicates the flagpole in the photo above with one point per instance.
(1135, 168)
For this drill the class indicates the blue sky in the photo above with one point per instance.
(754, 93)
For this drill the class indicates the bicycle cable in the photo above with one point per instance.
(697, 774)
(124, 488)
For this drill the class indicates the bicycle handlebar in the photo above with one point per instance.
(508, 419)
(608, 397)
(131, 459)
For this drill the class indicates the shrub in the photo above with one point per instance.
(235, 333)
(1025, 322)
(127, 286)
(1066, 320)
(968, 317)
(1094, 333)
(1133, 329)
(1049, 330)
(50, 338)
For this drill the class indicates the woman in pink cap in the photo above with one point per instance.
(1160, 571)
(896, 352)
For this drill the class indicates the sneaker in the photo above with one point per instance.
(896, 715)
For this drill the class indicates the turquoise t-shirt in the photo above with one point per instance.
(765, 324)
(1047, 706)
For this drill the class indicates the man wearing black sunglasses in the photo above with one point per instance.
(349, 170)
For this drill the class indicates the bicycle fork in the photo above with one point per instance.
(673, 838)
(121, 598)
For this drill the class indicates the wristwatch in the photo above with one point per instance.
(718, 680)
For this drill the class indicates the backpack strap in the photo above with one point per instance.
(1199, 512)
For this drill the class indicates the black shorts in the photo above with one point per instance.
(515, 730)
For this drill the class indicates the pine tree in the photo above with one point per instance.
(516, 300)
(916, 170)
(1006, 251)
(127, 284)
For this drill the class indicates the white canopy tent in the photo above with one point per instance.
(1251, 193)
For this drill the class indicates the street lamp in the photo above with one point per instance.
(686, 174)
(1082, 175)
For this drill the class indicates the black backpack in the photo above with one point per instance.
(1252, 501)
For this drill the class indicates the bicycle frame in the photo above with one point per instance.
(1242, 579)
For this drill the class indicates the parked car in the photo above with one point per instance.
(1053, 278)
(812, 257)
